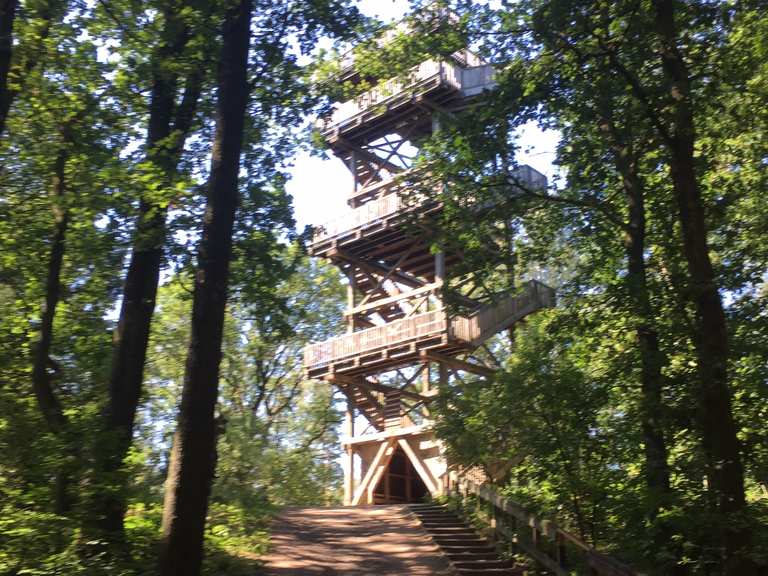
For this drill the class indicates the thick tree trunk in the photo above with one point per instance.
(718, 429)
(7, 16)
(168, 128)
(191, 475)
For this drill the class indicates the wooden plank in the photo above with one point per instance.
(371, 472)
(457, 364)
(419, 466)
(396, 433)
(428, 288)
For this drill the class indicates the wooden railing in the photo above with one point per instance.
(368, 213)
(559, 551)
(494, 317)
(371, 339)
(421, 75)
(472, 330)
(390, 201)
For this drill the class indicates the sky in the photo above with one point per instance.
(320, 186)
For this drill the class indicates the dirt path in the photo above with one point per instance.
(361, 540)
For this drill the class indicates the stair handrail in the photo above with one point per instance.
(490, 318)
(600, 563)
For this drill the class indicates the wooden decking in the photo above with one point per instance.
(387, 213)
(392, 94)
(400, 342)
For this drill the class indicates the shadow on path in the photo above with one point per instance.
(359, 540)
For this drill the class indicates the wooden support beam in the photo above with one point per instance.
(457, 364)
(364, 383)
(384, 302)
(421, 469)
(374, 471)
(392, 270)
(349, 469)
(363, 154)
(362, 438)
(378, 269)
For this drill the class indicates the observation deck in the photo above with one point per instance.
(403, 341)
(403, 331)
(433, 84)
(378, 227)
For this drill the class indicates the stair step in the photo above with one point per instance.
(468, 552)
(458, 549)
(488, 571)
(485, 564)
(458, 542)
(470, 556)
(469, 535)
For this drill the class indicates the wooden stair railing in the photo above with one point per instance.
(497, 316)
(546, 542)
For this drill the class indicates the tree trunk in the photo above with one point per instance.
(168, 128)
(190, 478)
(41, 379)
(651, 358)
(43, 14)
(718, 429)
(7, 16)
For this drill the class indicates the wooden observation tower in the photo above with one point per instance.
(402, 340)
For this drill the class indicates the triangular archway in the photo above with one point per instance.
(400, 483)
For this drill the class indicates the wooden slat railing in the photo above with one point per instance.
(368, 213)
(424, 74)
(371, 339)
(391, 201)
(492, 318)
(472, 330)
(543, 540)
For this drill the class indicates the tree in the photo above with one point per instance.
(32, 24)
(193, 460)
(177, 58)
(629, 94)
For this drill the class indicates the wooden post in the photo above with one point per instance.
(351, 302)
(560, 550)
(440, 272)
(349, 469)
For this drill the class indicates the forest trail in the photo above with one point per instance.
(360, 540)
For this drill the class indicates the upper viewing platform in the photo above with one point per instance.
(404, 97)
(433, 83)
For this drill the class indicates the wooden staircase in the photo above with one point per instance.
(367, 404)
(469, 553)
